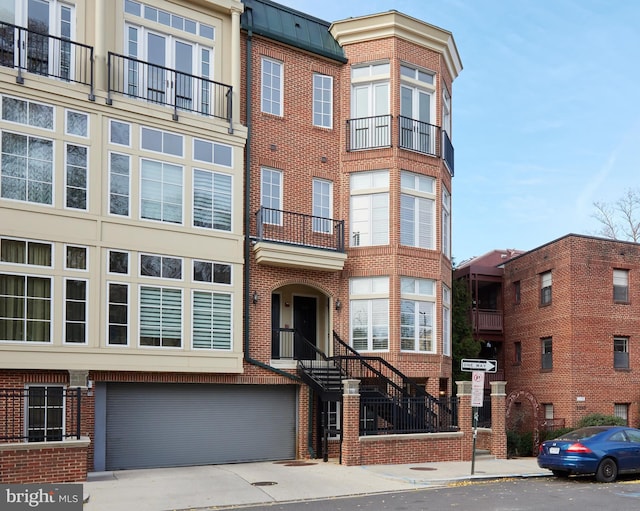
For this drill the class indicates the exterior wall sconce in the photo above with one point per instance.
(254, 297)
(338, 304)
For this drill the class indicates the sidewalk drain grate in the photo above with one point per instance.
(423, 468)
(264, 483)
(299, 464)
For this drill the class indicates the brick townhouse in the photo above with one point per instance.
(204, 205)
(563, 321)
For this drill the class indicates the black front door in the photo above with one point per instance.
(304, 322)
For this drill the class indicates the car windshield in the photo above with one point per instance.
(582, 433)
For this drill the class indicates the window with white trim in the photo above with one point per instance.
(369, 208)
(546, 282)
(160, 191)
(45, 413)
(76, 258)
(76, 176)
(76, 123)
(213, 273)
(212, 152)
(26, 168)
(160, 317)
(27, 113)
(271, 87)
(322, 205)
(446, 223)
(118, 314)
(160, 266)
(211, 320)
(369, 309)
(417, 100)
(446, 321)
(119, 183)
(119, 133)
(75, 311)
(212, 200)
(118, 262)
(417, 210)
(417, 315)
(322, 100)
(33, 253)
(334, 414)
(620, 352)
(168, 19)
(370, 123)
(271, 196)
(621, 286)
(159, 141)
(25, 315)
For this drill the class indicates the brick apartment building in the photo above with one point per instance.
(562, 320)
(200, 206)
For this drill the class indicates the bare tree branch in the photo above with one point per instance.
(620, 220)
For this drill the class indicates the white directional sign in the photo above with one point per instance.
(474, 364)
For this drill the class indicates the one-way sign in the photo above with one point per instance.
(474, 364)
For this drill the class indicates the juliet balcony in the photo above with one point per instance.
(295, 240)
(33, 52)
(178, 90)
(380, 131)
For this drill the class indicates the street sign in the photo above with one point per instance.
(477, 388)
(474, 364)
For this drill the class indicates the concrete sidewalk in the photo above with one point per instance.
(219, 486)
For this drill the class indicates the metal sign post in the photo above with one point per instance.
(477, 400)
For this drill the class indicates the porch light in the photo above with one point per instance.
(255, 297)
(338, 304)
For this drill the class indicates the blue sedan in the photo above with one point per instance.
(605, 451)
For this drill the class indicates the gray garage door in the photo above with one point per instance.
(169, 425)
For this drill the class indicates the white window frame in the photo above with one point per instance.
(322, 205)
(164, 313)
(126, 252)
(274, 104)
(127, 305)
(113, 175)
(47, 408)
(446, 321)
(621, 285)
(369, 296)
(163, 260)
(67, 112)
(67, 321)
(67, 187)
(226, 334)
(322, 101)
(369, 208)
(66, 258)
(417, 197)
(29, 105)
(28, 243)
(161, 200)
(129, 128)
(215, 198)
(446, 223)
(267, 195)
(26, 315)
(546, 288)
(419, 295)
(213, 265)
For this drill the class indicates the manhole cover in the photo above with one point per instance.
(264, 483)
(423, 468)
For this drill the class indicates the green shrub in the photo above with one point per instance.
(599, 419)
(519, 444)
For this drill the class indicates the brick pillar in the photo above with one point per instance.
(499, 419)
(465, 419)
(351, 422)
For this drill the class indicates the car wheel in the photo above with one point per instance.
(607, 471)
(560, 473)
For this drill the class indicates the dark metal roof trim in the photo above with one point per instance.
(291, 27)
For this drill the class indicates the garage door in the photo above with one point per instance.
(163, 425)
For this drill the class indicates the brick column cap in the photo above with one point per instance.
(498, 388)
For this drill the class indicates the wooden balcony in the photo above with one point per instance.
(484, 320)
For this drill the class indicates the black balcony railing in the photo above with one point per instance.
(418, 136)
(40, 413)
(158, 84)
(369, 132)
(299, 229)
(39, 53)
(447, 152)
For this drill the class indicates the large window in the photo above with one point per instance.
(271, 99)
(322, 101)
(45, 413)
(621, 352)
(446, 321)
(417, 308)
(25, 308)
(446, 223)
(118, 314)
(160, 317)
(370, 123)
(212, 200)
(76, 301)
(161, 191)
(119, 183)
(271, 195)
(26, 171)
(76, 182)
(322, 206)
(545, 288)
(211, 320)
(621, 286)
(417, 210)
(369, 208)
(369, 307)
(417, 130)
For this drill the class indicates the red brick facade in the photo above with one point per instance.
(581, 320)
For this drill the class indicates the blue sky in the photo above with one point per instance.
(546, 112)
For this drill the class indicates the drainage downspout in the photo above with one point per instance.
(312, 452)
(247, 212)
